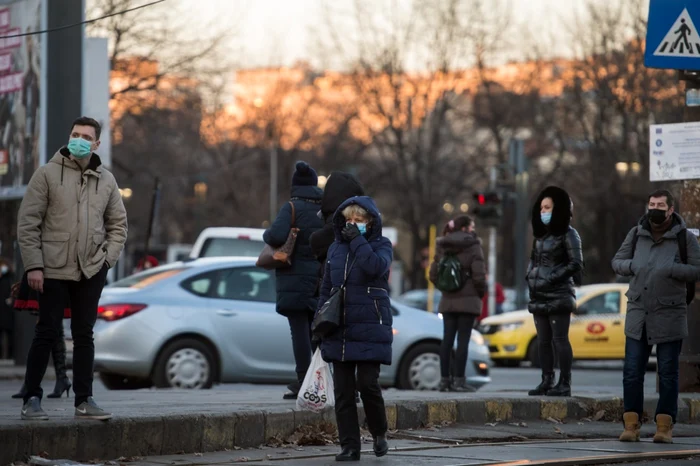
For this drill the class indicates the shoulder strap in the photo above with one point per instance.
(635, 238)
(294, 213)
(683, 245)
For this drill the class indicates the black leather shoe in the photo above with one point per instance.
(348, 454)
(381, 446)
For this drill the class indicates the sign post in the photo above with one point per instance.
(673, 42)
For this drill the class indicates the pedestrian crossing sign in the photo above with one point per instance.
(673, 41)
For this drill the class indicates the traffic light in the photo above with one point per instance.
(489, 208)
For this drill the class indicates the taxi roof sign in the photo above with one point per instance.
(673, 41)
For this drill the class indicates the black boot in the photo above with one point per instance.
(460, 385)
(58, 352)
(381, 446)
(22, 392)
(546, 384)
(563, 387)
(294, 387)
(348, 454)
(445, 384)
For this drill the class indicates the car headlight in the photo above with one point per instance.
(477, 338)
(512, 326)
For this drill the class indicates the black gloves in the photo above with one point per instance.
(350, 232)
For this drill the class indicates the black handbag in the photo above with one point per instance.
(327, 320)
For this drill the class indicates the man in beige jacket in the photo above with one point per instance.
(71, 229)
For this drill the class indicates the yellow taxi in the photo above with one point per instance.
(597, 328)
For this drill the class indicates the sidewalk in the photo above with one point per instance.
(160, 422)
(8, 371)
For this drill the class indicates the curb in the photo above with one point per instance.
(190, 433)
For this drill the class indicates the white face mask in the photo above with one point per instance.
(4, 269)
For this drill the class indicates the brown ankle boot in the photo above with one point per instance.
(664, 424)
(632, 427)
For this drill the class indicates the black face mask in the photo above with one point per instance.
(657, 216)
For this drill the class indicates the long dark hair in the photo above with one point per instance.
(456, 224)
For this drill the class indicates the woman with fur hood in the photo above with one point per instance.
(555, 268)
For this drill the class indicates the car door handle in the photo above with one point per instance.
(226, 312)
(617, 322)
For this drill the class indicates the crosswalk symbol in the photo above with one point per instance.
(682, 40)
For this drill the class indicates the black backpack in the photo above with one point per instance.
(682, 239)
(450, 276)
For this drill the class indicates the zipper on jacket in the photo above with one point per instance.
(379, 314)
(345, 277)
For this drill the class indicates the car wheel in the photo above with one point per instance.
(185, 363)
(123, 382)
(420, 368)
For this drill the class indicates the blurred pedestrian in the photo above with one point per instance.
(363, 256)
(297, 285)
(500, 299)
(663, 260)
(7, 318)
(71, 230)
(27, 299)
(460, 305)
(555, 268)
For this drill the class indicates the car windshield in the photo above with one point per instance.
(222, 247)
(144, 279)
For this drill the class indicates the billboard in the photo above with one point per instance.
(21, 67)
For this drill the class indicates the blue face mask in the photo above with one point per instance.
(79, 148)
(546, 217)
(362, 227)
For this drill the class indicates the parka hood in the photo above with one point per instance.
(367, 203)
(561, 214)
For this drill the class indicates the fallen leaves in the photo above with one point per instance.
(599, 415)
(518, 424)
(321, 434)
(554, 420)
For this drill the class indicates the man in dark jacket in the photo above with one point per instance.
(656, 309)
(297, 285)
(339, 187)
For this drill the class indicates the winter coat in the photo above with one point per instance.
(297, 285)
(556, 261)
(365, 333)
(467, 248)
(71, 222)
(339, 187)
(657, 293)
(7, 318)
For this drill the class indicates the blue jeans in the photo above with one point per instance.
(637, 354)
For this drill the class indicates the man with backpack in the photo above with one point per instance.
(663, 260)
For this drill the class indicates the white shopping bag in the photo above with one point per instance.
(316, 392)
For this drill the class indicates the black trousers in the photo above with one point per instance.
(367, 383)
(460, 326)
(553, 332)
(84, 296)
(300, 326)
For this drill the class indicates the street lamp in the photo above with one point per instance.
(622, 168)
(447, 207)
(464, 207)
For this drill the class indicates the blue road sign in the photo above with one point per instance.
(673, 40)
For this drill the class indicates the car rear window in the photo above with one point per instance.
(222, 247)
(144, 279)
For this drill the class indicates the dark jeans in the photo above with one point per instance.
(300, 326)
(637, 354)
(553, 332)
(346, 384)
(455, 324)
(83, 296)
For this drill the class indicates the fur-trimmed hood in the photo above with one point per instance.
(561, 215)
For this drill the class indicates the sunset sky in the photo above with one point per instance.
(276, 32)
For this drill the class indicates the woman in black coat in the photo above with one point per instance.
(297, 286)
(555, 268)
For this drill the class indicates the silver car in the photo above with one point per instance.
(193, 324)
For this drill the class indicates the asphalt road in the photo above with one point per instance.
(587, 377)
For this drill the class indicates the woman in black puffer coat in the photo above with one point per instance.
(555, 268)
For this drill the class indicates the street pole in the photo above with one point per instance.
(432, 236)
(492, 253)
(522, 177)
(152, 217)
(273, 182)
(690, 197)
